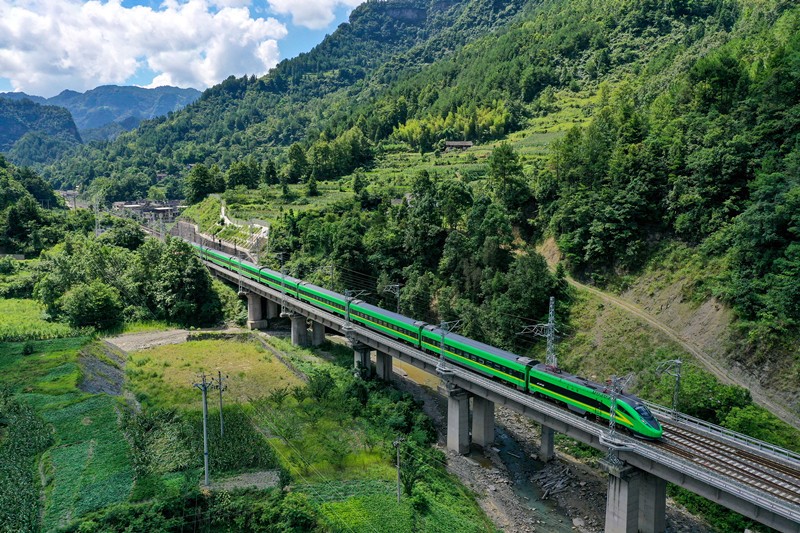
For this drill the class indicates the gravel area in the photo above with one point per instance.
(260, 480)
(133, 342)
(500, 485)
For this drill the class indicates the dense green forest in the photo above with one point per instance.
(692, 135)
(32, 217)
(32, 133)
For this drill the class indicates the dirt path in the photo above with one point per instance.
(133, 342)
(711, 364)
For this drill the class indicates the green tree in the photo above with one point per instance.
(182, 287)
(124, 233)
(311, 186)
(93, 304)
(455, 199)
(269, 173)
(244, 173)
(359, 182)
(199, 184)
(298, 164)
(505, 170)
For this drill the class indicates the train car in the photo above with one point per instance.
(576, 393)
(591, 399)
(488, 360)
(387, 322)
(269, 277)
(322, 297)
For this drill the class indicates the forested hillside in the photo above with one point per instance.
(31, 133)
(684, 130)
(295, 101)
(32, 217)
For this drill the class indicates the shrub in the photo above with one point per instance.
(7, 265)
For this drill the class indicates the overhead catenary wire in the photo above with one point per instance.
(297, 452)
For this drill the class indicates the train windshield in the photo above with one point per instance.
(647, 416)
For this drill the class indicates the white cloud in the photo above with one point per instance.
(47, 45)
(314, 14)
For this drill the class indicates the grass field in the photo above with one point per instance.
(344, 461)
(163, 376)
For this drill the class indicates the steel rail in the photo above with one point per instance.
(666, 414)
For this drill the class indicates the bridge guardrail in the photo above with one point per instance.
(739, 438)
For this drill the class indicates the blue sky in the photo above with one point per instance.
(47, 46)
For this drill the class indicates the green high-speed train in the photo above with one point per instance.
(578, 394)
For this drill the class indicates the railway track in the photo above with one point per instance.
(777, 479)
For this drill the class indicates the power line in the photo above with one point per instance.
(221, 387)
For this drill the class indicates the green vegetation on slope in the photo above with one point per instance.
(89, 465)
(331, 439)
(21, 320)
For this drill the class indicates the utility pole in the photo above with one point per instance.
(672, 368)
(610, 438)
(284, 312)
(221, 386)
(396, 445)
(349, 296)
(441, 369)
(204, 385)
(394, 289)
(547, 330)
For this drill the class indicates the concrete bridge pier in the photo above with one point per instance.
(482, 422)
(547, 450)
(273, 310)
(622, 501)
(383, 365)
(299, 330)
(652, 504)
(361, 360)
(457, 418)
(255, 312)
(317, 333)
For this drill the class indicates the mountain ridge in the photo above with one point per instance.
(125, 106)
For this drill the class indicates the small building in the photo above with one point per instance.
(457, 145)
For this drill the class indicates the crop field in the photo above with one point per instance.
(266, 204)
(99, 454)
(89, 465)
(22, 319)
(163, 376)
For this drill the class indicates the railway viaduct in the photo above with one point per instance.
(747, 476)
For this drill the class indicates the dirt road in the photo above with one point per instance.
(710, 363)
